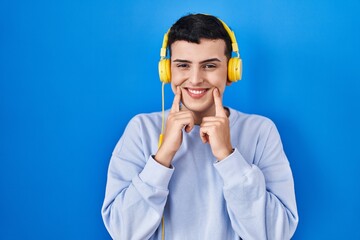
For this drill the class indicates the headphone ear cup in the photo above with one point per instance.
(234, 69)
(164, 70)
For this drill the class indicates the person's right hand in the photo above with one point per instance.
(176, 121)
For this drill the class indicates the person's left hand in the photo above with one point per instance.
(216, 130)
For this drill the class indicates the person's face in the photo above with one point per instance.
(197, 69)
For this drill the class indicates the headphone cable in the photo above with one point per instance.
(162, 115)
(159, 144)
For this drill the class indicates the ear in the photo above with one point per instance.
(228, 83)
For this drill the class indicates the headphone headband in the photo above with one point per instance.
(164, 45)
(231, 34)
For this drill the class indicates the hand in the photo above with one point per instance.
(176, 121)
(216, 130)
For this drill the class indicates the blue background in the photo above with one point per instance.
(72, 74)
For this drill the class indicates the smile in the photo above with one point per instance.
(196, 92)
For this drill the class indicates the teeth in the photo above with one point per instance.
(196, 91)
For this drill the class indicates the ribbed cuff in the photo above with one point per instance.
(233, 165)
(155, 174)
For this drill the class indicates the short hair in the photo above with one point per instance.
(194, 27)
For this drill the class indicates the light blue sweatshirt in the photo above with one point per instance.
(248, 195)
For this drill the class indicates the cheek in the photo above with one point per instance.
(173, 87)
(176, 80)
(222, 90)
(220, 82)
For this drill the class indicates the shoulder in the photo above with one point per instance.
(238, 118)
(145, 124)
(142, 131)
(146, 119)
(253, 133)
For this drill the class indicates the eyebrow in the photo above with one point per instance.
(202, 62)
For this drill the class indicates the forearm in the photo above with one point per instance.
(258, 209)
(134, 210)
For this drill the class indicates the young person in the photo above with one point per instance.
(218, 173)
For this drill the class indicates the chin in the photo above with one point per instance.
(201, 109)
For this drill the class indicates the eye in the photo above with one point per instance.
(183, 65)
(209, 66)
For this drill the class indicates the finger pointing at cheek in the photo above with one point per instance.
(176, 103)
(219, 108)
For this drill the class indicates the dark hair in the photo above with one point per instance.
(194, 27)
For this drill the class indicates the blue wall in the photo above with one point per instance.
(72, 73)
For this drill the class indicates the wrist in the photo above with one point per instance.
(224, 154)
(164, 158)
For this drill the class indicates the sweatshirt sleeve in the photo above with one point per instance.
(260, 195)
(136, 189)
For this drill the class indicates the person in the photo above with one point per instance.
(218, 173)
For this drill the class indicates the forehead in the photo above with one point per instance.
(207, 48)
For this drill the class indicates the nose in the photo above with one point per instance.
(195, 77)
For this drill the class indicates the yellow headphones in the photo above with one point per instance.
(234, 64)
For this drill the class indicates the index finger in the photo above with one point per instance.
(219, 108)
(176, 103)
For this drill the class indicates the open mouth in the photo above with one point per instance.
(196, 92)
